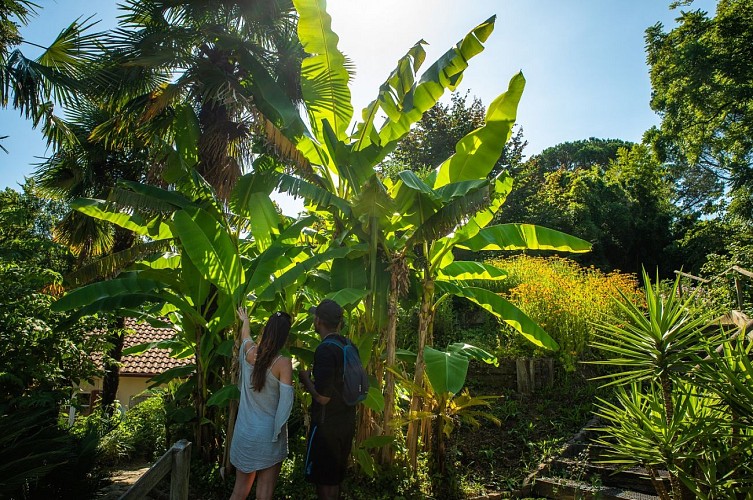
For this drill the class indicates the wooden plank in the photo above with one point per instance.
(742, 271)
(702, 280)
(181, 470)
(153, 476)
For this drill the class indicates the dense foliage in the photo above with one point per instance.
(702, 83)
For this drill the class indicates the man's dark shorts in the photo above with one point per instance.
(328, 449)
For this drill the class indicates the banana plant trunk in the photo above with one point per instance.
(232, 409)
(425, 315)
(389, 386)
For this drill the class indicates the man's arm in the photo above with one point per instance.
(308, 384)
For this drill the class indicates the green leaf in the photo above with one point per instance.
(445, 73)
(210, 248)
(172, 374)
(348, 297)
(478, 152)
(250, 198)
(504, 310)
(130, 284)
(446, 370)
(474, 352)
(376, 442)
(524, 237)
(324, 78)
(348, 273)
(391, 96)
(290, 276)
(100, 209)
(471, 270)
(223, 397)
(374, 399)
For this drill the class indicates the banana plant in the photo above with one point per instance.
(447, 403)
(336, 159)
(411, 220)
(221, 257)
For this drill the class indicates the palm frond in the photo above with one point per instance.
(111, 265)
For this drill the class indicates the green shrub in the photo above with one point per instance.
(563, 298)
(40, 458)
(138, 433)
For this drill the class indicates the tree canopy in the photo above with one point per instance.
(702, 82)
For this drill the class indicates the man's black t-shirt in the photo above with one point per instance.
(328, 376)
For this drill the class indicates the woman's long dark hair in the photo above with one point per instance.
(273, 337)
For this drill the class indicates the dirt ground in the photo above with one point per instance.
(121, 479)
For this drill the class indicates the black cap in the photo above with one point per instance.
(328, 311)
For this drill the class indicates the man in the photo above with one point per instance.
(333, 423)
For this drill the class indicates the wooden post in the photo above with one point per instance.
(739, 290)
(177, 461)
(181, 469)
(524, 380)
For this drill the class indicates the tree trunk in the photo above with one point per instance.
(389, 386)
(111, 365)
(669, 411)
(424, 320)
(123, 240)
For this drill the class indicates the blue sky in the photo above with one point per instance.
(584, 60)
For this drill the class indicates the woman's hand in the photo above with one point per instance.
(243, 314)
(245, 327)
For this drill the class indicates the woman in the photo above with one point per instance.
(260, 440)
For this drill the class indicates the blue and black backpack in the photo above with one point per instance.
(355, 380)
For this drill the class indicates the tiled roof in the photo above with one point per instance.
(153, 361)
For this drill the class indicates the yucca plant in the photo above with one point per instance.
(661, 413)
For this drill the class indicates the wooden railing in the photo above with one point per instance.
(176, 461)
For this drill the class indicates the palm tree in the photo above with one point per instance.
(82, 167)
(197, 52)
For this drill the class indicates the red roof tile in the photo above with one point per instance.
(151, 362)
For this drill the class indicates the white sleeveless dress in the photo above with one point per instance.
(260, 438)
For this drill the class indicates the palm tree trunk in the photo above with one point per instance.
(111, 365)
(123, 239)
(424, 321)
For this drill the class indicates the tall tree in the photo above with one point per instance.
(702, 81)
(200, 52)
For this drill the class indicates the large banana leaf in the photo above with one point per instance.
(100, 209)
(291, 275)
(250, 198)
(264, 266)
(348, 273)
(316, 195)
(348, 297)
(440, 252)
(478, 152)
(391, 95)
(450, 216)
(524, 237)
(210, 248)
(324, 78)
(504, 310)
(445, 73)
(471, 270)
(131, 283)
(446, 370)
